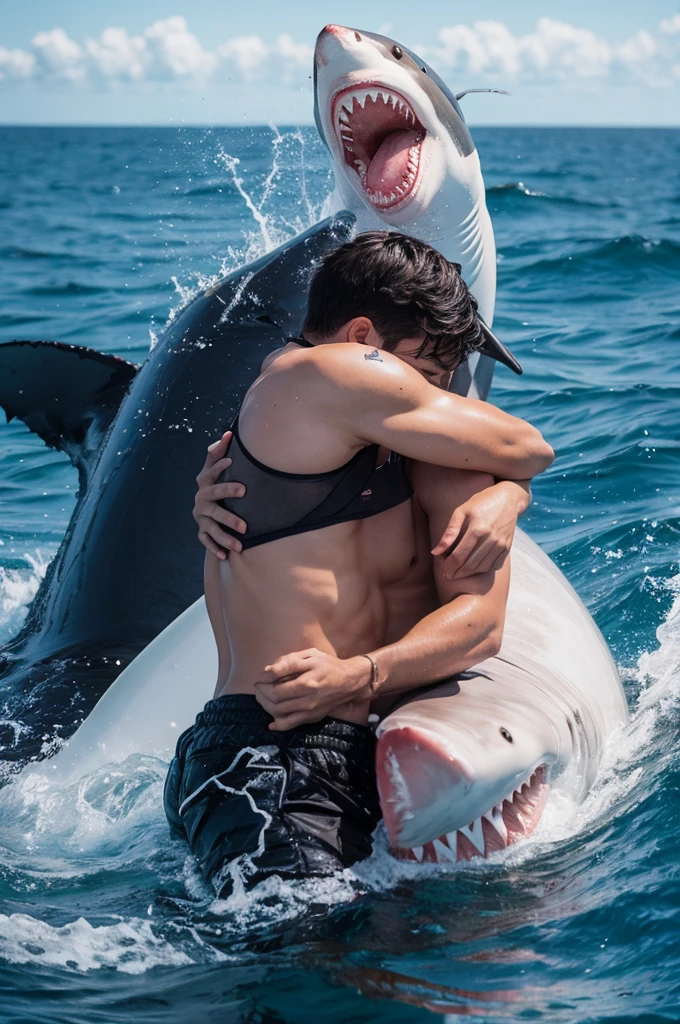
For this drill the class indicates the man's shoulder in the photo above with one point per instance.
(346, 366)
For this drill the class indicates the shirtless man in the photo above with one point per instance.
(276, 775)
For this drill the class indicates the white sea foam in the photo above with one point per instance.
(130, 946)
(18, 587)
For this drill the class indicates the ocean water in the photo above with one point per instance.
(104, 232)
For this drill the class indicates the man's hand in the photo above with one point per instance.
(207, 513)
(479, 535)
(308, 685)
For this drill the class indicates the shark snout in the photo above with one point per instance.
(466, 793)
(333, 42)
(415, 775)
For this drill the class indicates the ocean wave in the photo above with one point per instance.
(626, 253)
(69, 288)
(518, 188)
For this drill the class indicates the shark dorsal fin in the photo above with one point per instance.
(67, 394)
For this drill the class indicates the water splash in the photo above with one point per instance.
(269, 227)
(128, 946)
(18, 587)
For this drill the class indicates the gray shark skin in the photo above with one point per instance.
(130, 561)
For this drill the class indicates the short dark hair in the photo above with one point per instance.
(405, 287)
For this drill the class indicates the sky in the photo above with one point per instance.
(171, 62)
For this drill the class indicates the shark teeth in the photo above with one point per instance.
(364, 116)
(513, 818)
(475, 835)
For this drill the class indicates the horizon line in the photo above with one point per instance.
(286, 126)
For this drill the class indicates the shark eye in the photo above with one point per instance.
(423, 69)
(505, 734)
(357, 37)
(397, 52)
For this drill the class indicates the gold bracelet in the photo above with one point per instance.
(374, 681)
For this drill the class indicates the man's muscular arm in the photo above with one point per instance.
(468, 626)
(466, 629)
(386, 401)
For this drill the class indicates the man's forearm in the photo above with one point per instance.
(447, 641)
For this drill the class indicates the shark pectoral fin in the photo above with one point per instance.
(67, 394)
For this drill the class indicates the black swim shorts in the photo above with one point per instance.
(254, 803)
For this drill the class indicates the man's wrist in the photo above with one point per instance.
(365, 676)
(520, 492)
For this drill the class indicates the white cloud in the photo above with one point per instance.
(118, 55)
(254, 58)
(295, 53)
(16, 64)
(177, 51)
(670, 26)
(487, 46)
(557, 50)
(487, 50)
(59, 55)
(553, 49)
(248, 53)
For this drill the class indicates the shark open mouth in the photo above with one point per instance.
(382, 141)
(513, 819)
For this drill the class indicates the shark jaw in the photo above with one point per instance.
(453, 793)
(381, 139)
(509, 821)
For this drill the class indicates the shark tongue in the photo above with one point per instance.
(389, 167)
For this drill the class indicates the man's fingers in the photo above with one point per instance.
(480, 560)
(210, 545)
(460, 554)
(211, 510)
(220, 537)
(218, 492)
(212, 472)
(289, 664)
(217, 449)
(301, 685)
(280, 709)
(450, 534)
(292, 721)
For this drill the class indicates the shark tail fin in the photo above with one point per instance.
(67, 394)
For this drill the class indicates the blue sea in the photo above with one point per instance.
(104, 232)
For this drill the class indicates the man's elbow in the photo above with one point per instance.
(534, 453)
(491, 643)
(487, 624)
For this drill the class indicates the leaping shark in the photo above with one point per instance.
(449, 761)
(404, 159)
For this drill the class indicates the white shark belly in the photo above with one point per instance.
(457, 223)
(151, 702)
